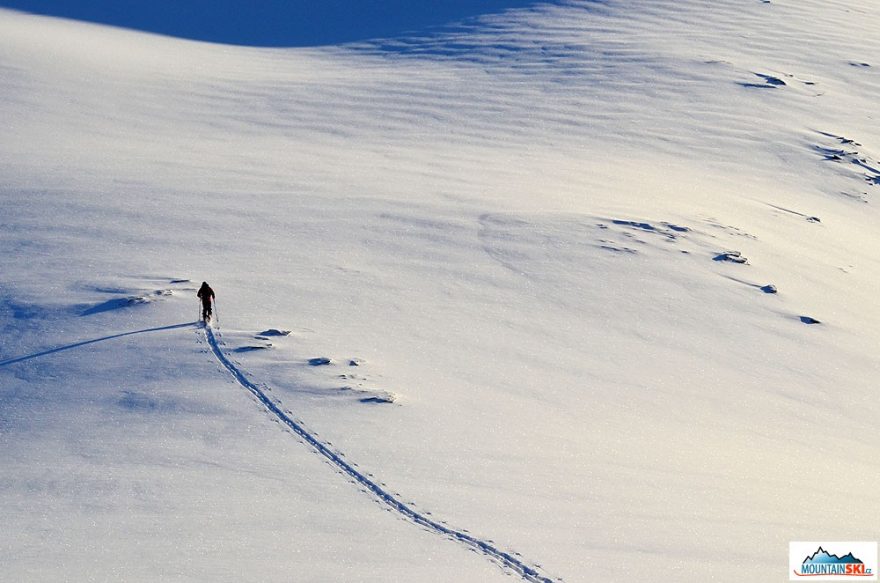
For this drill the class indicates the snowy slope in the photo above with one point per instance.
(517, 227)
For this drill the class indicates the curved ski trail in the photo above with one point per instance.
(501, 557)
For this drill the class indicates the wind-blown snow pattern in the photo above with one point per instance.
(597, 277)
(505, 559)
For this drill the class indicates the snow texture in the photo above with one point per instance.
(529, 230)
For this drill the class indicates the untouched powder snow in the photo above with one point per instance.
(592, 285)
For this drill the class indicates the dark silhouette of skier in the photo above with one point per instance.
(206, 294)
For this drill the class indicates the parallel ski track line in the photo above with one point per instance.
(503, 558)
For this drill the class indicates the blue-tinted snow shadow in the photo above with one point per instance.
(21, 310)
(9, 361)
(272, 23)
(141, 403)
(114, 304)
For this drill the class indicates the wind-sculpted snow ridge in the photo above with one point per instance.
(505, 559)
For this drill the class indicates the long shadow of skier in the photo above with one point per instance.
(95, 340)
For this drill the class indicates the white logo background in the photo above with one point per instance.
(865, 551)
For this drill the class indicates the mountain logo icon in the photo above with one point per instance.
(823, 556)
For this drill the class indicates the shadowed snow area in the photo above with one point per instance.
(281, 23)
(592, 284)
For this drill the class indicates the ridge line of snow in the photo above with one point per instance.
(505, 559)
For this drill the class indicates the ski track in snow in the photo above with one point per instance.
(505, 559)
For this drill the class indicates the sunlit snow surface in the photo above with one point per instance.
(542, 238)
